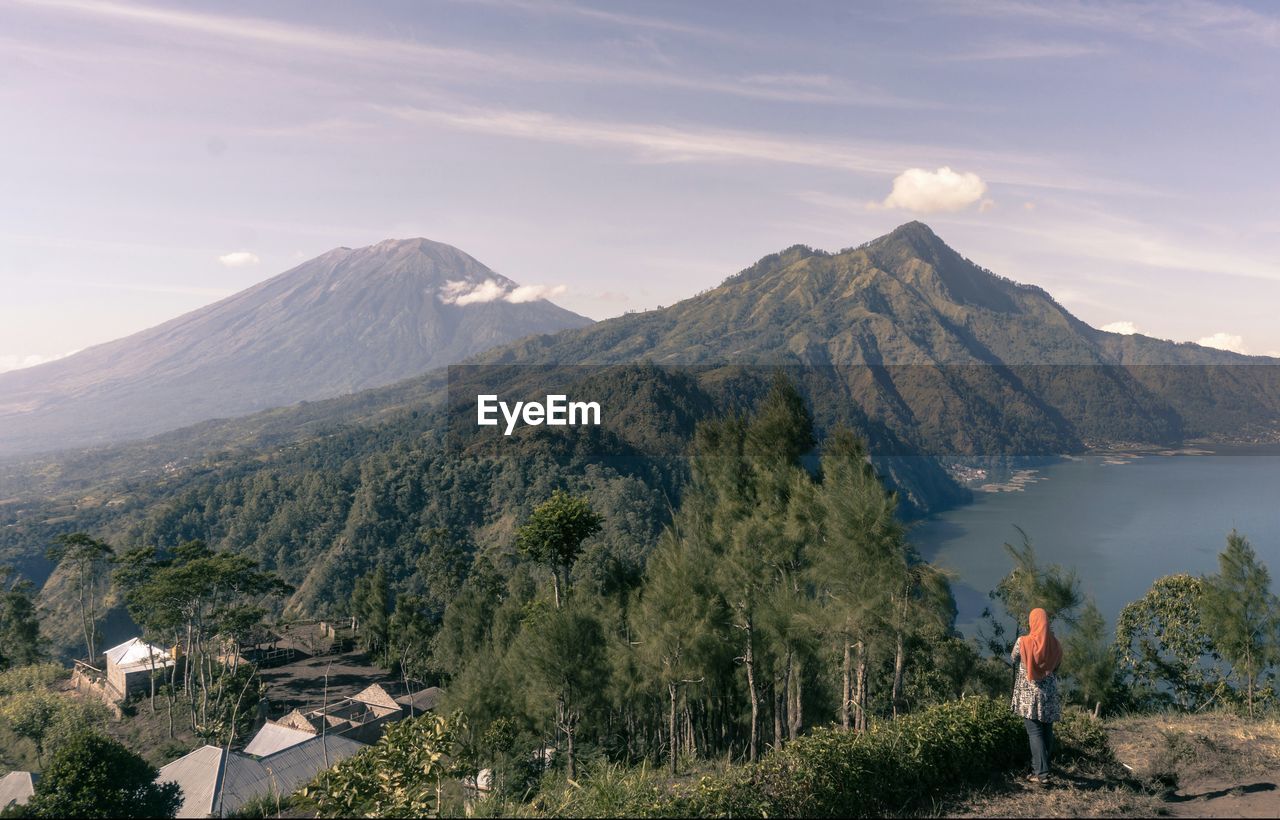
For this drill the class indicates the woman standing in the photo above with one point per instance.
(1035, 690)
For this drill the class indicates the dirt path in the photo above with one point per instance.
(1222, 765)
(1222, 799)
(1213, 765)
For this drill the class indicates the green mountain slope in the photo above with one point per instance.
(922, 352)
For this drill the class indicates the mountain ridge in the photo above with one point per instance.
(347, 320)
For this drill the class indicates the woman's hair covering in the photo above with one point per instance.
(1041, 652)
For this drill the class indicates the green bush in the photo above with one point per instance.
(830, 773)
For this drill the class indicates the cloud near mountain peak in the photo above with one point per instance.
(461, 292)
(925, 192)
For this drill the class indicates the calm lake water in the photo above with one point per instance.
(1121, 525)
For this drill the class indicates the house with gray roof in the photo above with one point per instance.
(217, 783)
(17, 788)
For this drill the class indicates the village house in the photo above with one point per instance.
(362, 717)
(286, 754)
(218, 783)
(130, 665)
(16, 788)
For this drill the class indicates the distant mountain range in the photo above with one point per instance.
(918, 349)
(346, 321)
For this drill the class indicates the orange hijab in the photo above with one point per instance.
(1041, 652)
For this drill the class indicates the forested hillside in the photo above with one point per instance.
(925, 356)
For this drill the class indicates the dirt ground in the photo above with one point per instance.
(301, 684)
(1215, 765)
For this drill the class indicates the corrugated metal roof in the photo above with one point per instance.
(423, 700)
(198, 774)
(135, 652)
(215, 783)
(288, 770)
(17, 787)
(273, 737)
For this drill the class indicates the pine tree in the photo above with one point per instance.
(1241, 614)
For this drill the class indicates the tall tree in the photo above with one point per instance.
(1089, 661)
(85, 558)
(1241, 614)
(20, 643)
(679, 623)
(857, 566)
(562, 651)
(1029, 585)
(371, 606)
(553, 535)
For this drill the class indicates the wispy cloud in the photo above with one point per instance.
(1123, 328)
(543, 8)
(1023, 50)
(17, 361)
(1185, 22)
(463, 65)
(653, 142)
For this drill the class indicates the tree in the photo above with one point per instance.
(1028, 585)
(93, 776)
(562, 652)
(20, 643)
(1089, 661)
(371, 607)
(47, 718)
(85, 557)
(1241, 614)
(202, 600)
(402, 775)
(1163, 646)
(678, 623)
(553, 535)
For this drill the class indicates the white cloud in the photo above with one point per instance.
(239, 259)
(1123, 328)
(1224, 341)
(461, 292)
(927, 192)
(17, 361)
(532, 293)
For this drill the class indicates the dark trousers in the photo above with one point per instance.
(1041, 736)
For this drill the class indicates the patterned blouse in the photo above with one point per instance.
(1035, 701)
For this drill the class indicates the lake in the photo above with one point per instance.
(1120, 522)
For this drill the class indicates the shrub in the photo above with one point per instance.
(831, 773)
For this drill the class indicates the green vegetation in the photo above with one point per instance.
(35, 718)
(205, 605)
(753, 622)
(403, 775)
(20, 642)
(93, 776)
(1242, 614)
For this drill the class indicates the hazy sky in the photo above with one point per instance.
(155, 157)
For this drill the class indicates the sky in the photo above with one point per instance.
(155, 157)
